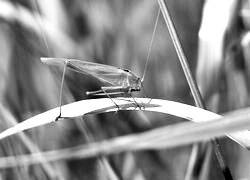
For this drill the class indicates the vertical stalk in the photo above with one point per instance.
(194, 90)
(182, 58)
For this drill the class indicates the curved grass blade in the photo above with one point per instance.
(102, 105)
(158, 138)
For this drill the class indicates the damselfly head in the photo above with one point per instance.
(136, 84)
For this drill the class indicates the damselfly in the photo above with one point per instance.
(117, 80)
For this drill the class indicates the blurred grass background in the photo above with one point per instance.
(117, 33)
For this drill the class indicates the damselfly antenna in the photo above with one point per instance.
(150, 45)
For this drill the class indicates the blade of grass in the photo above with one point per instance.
(93, 106)
(31, 146)
(156, 139)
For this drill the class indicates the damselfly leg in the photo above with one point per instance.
(110, 98)
(110, 91)
(61, 91)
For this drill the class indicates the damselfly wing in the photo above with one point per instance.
(117, 80)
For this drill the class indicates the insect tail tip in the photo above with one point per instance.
(89, 93)
(92, 93)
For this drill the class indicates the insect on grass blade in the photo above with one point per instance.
(117, 80)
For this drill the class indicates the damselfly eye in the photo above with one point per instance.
(139, 81)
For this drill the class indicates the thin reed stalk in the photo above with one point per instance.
(195, 92)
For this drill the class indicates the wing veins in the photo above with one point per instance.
(102, 72)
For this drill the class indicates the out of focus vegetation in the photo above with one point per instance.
(118, 33)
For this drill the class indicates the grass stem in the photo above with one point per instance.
(193, 87)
